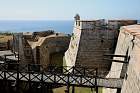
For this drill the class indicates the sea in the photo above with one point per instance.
(62, 26)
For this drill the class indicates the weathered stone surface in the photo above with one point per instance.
(43, 50)
(6, 42)
(91, 40)
(128, 42)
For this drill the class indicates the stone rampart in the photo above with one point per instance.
(128, 44)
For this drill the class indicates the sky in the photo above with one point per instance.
(66, 9)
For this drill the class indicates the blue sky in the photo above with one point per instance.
(66, 9)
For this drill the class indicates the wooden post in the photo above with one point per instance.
(5, 80)
(67, 89)
(96, 83)
(68, 86)
(29, 80)
(5, 58)
(17, 79)
(73, 89)
(42, 82)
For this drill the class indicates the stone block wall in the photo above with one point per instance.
(92, 39)
(52, 46)
(41, 51)
(132, 79)
(94, 43)
(71, 53)
(128, 43)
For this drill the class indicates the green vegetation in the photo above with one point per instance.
(57, 59)
(6, 33)
(77, 90)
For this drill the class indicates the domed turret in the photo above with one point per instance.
(77, 17)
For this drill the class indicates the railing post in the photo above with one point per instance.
(84, 71)
(29, 80)
(73, 89)
(73, 70)
(5, 70)
(42, 82)
(96, 83)
(55, 74)
(5, 79)
(17, 79)
(5, 58)
(68, 85)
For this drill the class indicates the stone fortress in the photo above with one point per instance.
(92, 39)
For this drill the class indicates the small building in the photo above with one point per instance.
(45, 48)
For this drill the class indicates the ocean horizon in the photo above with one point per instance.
(62, 26)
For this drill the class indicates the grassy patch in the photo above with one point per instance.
(77, 90)
(5, 38)
(57, 59)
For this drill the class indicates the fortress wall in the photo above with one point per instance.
(94, 43)
(128, 41)
(18, 46)
(45, 49)
(71, 53)
(91, 40)
(89, 44)
(132, 80)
